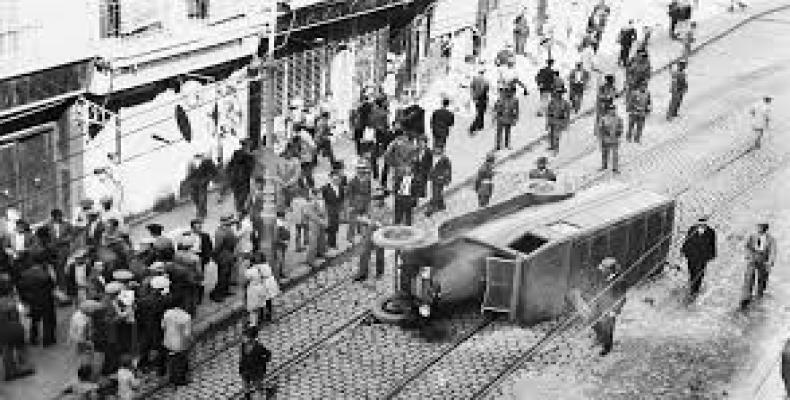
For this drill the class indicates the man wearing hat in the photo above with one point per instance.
(359, 196)
(224, 254)
(610, 130)
(203, 248)
(545, 81)
(760, 258)
(162, 246)
(376, 218)
(333, 194)
(239, 171)
(479, 90)
(442, 120)
(699, 248)
(149, 311)
(506, 111)
(638, 106)
(484, 181)
(610, 292)
(558, 117)
(189, 286)
(200, 173)
(607, 92)
(94, 231)
(678, 89)
(440, 176)
(577, 83)
(761, 119)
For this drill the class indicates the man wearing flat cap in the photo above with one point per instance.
(760, 258)
(699, 248)
(484, 181)
(376, 218)
(558, 117)
(608, 294)
(225, 256)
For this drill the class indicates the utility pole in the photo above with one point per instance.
(270, 74)
(542, 15)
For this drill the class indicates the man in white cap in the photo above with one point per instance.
(760, 258)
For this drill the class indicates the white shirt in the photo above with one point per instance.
(761, 115)
(405, 186)
(176, 323)
(19, 241)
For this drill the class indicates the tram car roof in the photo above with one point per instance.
(587, 211)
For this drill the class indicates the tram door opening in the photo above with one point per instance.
(501, 276)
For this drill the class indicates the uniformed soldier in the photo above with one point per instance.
(558, 116)
(369, 224)
(610, 129)
(639, 105)
(484, 181)
(677, 90)
(577, 83)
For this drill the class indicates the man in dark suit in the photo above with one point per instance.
(224, 254)
(203, 248)
(440, 176)
(441, 122)
(201, 172)
(699, 248)
(62, 233)
(422, 164)
(413, 121)
(333, 200)
(239, 171)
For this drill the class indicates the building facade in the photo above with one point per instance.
(100, 117)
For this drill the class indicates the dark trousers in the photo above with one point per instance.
(331, 230)
(625, 50)
(755, 271)
(674, 104)
(437, 197)
(385, 172)
(178, 366)
(502, 132)
(554, 136)
(636, 124)
(604, 332)
(368, 251)
(696, 275)
(610, 151)
(46, 319)
(576, 96)
(200, 198)
(240, 194)
(224, 270)
(152, 354)
(404, 207)
(480, 112)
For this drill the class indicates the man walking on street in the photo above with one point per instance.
(677, 90)
(699, 248)
(441, 122)
(370, 223)
(545, 81)
(558, 116)
(421, 166)
(520, 32)
(606, 95)
(626, 40)
(506, 114)
(484, 181)
(639, 106)
(761, 119)
(610, 130)
(760, 257)
(479, 88)
(224, 255)
(440, 176)
(577, 83)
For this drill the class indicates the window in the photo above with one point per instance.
(197, 9)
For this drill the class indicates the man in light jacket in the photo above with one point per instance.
(760, 257)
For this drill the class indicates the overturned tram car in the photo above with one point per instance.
(525, 261)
